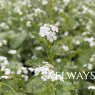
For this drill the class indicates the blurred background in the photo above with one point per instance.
(21, 45)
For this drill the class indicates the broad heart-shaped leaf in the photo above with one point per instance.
(18, 39)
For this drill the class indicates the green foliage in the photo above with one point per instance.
(19, 27)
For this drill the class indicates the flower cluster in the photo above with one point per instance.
(49, 31)
(47, 73)
(90, 40)
(38, 11)
(8, 73)
(23, 71)
(4, 68)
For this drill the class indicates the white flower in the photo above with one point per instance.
(39, 11)
(18, 10)
(4, 42)
(66, 1)
(19, 72)
(92, 59)
(3, 25)
(5, 77)
(58, 60)
(25, 77)
(54, 28)
(37, 71)
(89, 66)
(24, 69)
(5, 62)
(2, 58)
(77, 42)
(44, 2)
(91, 87)
(92, 44)
(66, 48)
(38, 48)
(12, 52)
(51, 36)
(31, 69)
(28, 23)
(49, 31)
(66, 33)
(44, 78)
(3, 68)
(44, 70)
(34, 57)
(7, 71)
(47, 73)
(44, 31)
(90, 41)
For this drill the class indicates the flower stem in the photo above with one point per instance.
(51, 10)
(9, 87)
(53, 89)
(41, 93)
(50, 53)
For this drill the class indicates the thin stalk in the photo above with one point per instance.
(53, 89)
(50, 53)
(41, 93)
(51, 10)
